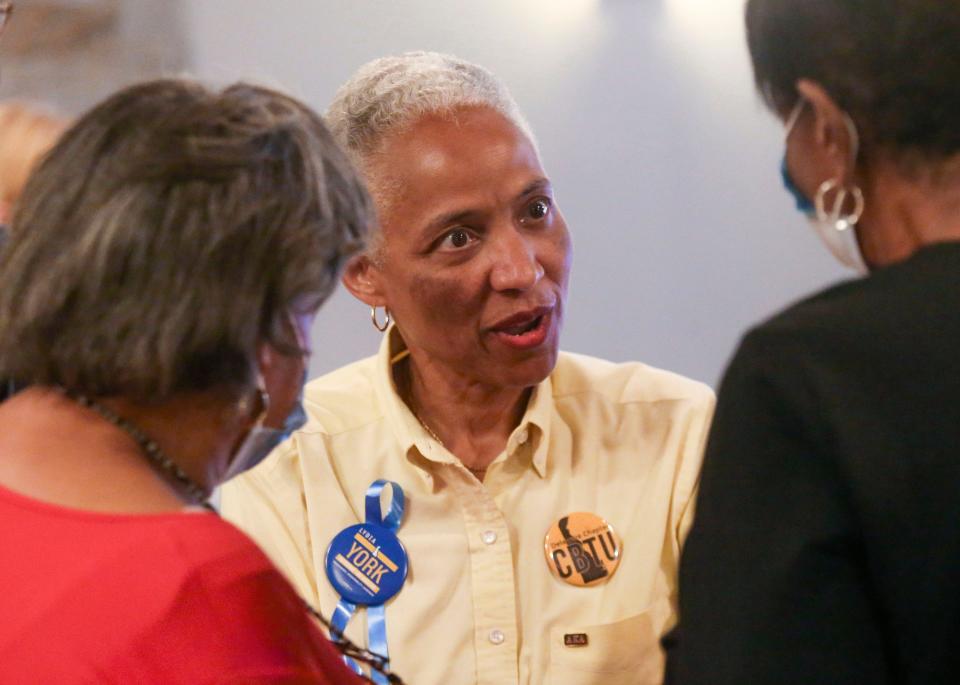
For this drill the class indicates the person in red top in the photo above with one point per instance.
(147, 598)
(156, 295)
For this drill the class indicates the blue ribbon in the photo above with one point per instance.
(377, 637)
(376, 615)
(374, 511)
(338, 623)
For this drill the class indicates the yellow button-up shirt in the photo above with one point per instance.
(480, 604)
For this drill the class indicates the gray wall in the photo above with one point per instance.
(664, 162)
(69, 54)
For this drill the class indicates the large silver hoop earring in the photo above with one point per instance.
(386, 319)
(835, 215)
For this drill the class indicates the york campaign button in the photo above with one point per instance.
(366, 564)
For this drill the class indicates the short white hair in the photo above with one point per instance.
(390, 93)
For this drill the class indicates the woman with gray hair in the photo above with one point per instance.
(549, 493)
(156, 295)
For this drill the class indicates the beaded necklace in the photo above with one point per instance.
(158, 457)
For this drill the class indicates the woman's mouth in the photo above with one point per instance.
(525, 332)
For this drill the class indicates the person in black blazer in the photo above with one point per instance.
(826, 546)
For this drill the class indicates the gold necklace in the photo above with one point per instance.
(476, 471)
(429, 430)
(404, 380)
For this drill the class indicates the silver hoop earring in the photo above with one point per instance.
(245, 404)
(835, 215)
(386, 320)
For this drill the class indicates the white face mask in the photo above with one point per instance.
(837, 230)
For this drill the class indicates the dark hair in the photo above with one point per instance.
(169, 232)
(893, 65)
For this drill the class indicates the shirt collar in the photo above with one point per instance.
(534, 426)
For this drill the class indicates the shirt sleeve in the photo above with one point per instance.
(267, 504)
(264, 627)
(691, 464)
(771, 579)
(231, 618)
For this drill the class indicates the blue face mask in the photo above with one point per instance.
(803, 202)
(261, 440)
(297, 418)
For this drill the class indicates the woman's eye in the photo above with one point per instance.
(538, 209)
(456, 239)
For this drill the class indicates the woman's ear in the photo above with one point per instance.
(282, 380)
(266, 358)
(831, 129)
(363, 279)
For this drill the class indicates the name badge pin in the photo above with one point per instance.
(367, 565)
(582, 549)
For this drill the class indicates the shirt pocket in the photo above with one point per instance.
(626, 652)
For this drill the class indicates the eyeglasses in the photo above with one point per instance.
(6, 9)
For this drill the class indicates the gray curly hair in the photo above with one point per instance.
(390, 93)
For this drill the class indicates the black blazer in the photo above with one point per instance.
(826, 545)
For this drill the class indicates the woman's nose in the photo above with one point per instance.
(515, 266)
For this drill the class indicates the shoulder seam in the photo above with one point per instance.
(321, 431)
(693, 398)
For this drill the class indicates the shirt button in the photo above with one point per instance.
(497, 637)
(523, 436)
(488, 537)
